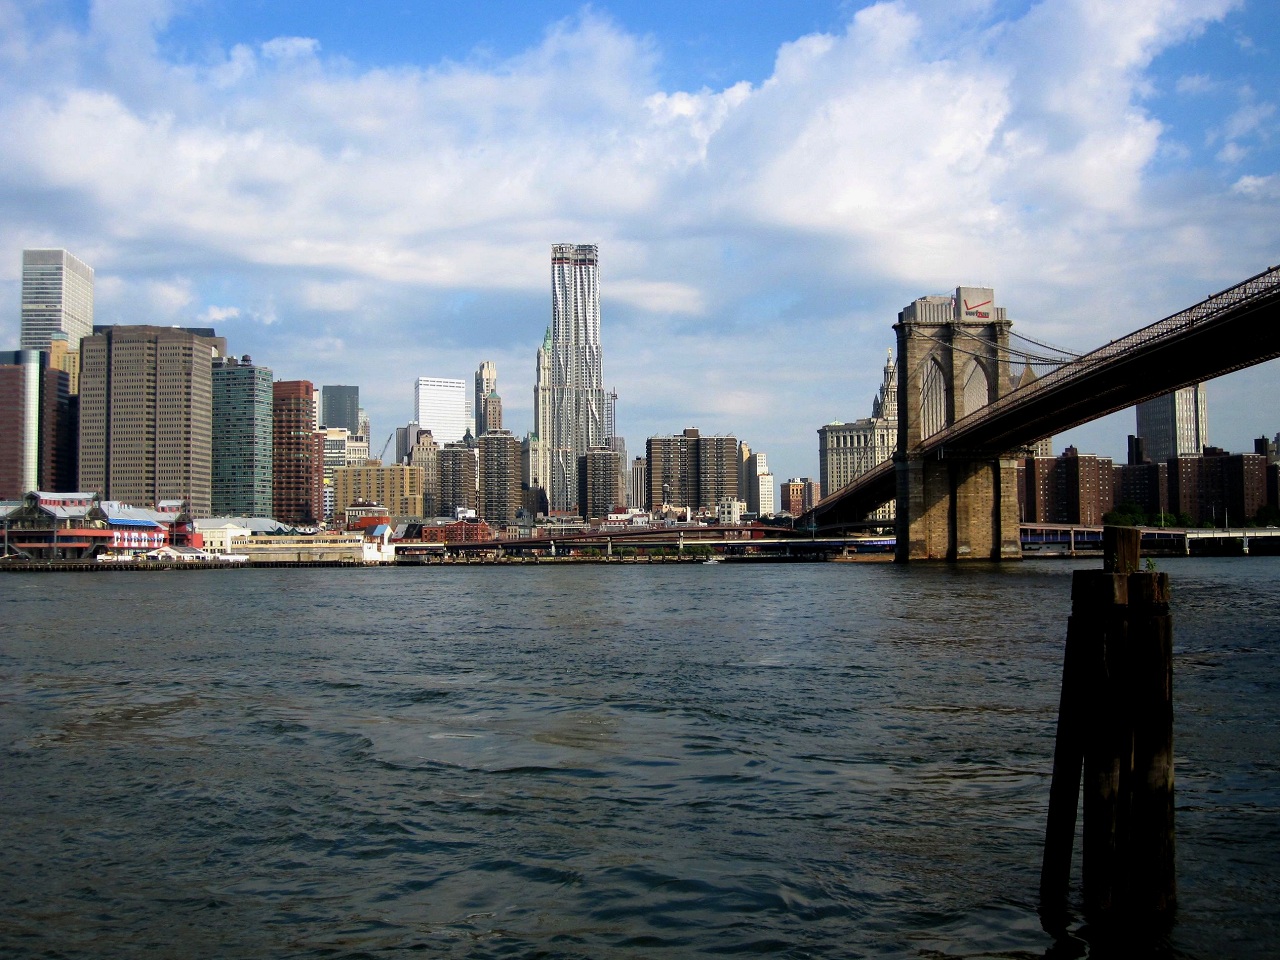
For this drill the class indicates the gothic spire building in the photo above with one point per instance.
(537, 457)
(486, 382)
(848, 450)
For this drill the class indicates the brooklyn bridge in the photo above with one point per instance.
(970, 404)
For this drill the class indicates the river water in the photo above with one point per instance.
(808, 760)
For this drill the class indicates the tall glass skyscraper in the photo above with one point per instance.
(57, 296)
(1175, 425)
(576, 395)
(242, 439)
(340, 407)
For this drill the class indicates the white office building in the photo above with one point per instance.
(441, 407)
(758, 486)
(1175, 425)
(57, 296)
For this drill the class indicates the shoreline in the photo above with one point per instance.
(81, 566)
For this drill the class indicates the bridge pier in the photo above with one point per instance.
(958, 509)
(953, 358)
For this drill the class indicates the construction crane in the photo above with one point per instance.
(382, 454)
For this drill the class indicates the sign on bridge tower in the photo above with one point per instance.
(953, 358)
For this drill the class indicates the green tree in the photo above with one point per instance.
(1128, 514)
(1268, 516)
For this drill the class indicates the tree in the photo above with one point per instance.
(1128, 514)
(1268, 516)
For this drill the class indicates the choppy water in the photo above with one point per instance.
(792, 761)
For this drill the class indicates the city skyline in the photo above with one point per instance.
(767, 189)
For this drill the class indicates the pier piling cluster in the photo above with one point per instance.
(1115, 729)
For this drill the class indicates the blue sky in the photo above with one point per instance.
(365, 193)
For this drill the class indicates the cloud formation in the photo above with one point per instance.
(756, 239)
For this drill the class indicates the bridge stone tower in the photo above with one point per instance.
(953, 357)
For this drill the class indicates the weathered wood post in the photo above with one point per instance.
(1115, 721)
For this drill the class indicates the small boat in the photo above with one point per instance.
(711, 560)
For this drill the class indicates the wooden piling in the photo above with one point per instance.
(1098, 604)
(1120, 549)
(1115, 721)
(1153, 881)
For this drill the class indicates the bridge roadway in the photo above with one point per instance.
(1228, 331)
(1157, 540)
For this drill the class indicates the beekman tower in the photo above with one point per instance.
(576, 394)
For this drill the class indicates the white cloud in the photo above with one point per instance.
(169, 297)
(914, 150)
(1247, 120)
(215, 314)
(1260, 188)
(239, 65)
(290, 48)
(658, 297)
(1196, 83)
(340, 297)
(1231, 153)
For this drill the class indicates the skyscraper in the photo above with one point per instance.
(486, 383)
(57, 295)
(499, 486)
(457, 478)
(599, 488)
(37, 446)
(537, 476)
(577, 399)
(340, 407)
(672, 470)
(491, 413)
(717, 470)
(637, 483)
(297, 483)
(440, 406)
(1175, 425)
(242, 455)
(146, 414)
(759, 488)
(424, 452)
(690, 470)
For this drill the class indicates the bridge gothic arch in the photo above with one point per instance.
(933, 398)
(977, 390)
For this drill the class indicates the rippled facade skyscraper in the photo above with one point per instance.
(576, 397)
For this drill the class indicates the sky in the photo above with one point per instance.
(364, 193)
